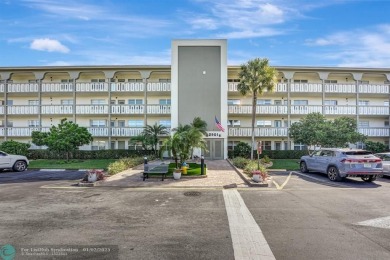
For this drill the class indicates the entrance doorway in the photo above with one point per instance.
(215, 149)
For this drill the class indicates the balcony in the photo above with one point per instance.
(374, 110)
(22, 87)
(126, 131)
(159, 86)
(340, 88)
(2, 87)
(1, 110)
(159, 109)
(92, 109)
(127, 86)
(127, 109)
(375, 131)
(340, 110)
(304, 110)
(374, 89)
(56, 109)
(259, 132)
(57, 87)
(21, 131)
(92, 87)
(260, 109)
(23, 110)
(306, 87)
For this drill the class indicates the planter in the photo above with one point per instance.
(256, 177)
(177, 174)
(92, 177)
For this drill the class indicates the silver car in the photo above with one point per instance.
(17, 163)
(385, 161)
(339, 163)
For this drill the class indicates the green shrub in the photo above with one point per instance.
(275, 154)
(250, 166)
(265, 159)
(13, 147)
(124, 164)
(240, 162)
(85, 154)
(242, 150)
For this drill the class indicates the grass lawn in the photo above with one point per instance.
(72, 164)
(288, 164)
(194, 169)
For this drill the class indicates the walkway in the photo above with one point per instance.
(219, 174)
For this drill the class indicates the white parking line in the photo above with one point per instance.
(377, 222)
(321, 180)
(247, 237)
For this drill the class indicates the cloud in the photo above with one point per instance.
(49, 45)
(367, 47)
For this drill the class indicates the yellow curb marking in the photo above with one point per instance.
(284, 183)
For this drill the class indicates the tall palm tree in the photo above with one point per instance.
(200, 124)
(256, 76)
(153, 132)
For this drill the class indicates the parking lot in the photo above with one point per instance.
(302, 216)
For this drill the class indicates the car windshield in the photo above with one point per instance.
(357, 153)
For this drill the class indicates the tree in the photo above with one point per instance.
(315, 130)
(13, 147)
(142, 139)
(376, 147)
(153, 132)
(242, 150)
(67, 137)
(200, 124)
(256, 76)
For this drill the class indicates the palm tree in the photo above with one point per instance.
(256, 76)
(200, 124)
(153, 132)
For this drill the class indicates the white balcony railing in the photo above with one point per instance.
(159, 109)
(22, 87)
(306, 87)
(340, 88)
(374, 88)
(127, 109)
(57, 87)
(2, 131)
(1, 110)
(98, 131)
(56, 109)
(373, 110)
(21, 131)
(375, 131)
(304, 110)
(263, 132)
(260, 109)
(126, 131)
(91, 86)
(92, 109)
(340, 110)
(22, 110)
(159, 86)
(2, 87)
(127, 86)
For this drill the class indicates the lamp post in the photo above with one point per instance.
(202, 165)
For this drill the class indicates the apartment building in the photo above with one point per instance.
(116, 102)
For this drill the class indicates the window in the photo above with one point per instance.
(1, 123)
(282, 81)
(300, 147)
(136, 123)
(264, 123)
(1, 102)
(67, 102)
(330, 81)
(278, 146)
(300, 102)
(234, 123)
(112, 123)
(33, 123)
(386, 103)
(112, 145)
(386, 123)
(121, 80)
(10, 102)
(98, 80)
(10, 124)
(134, 80)
(266, 145)
(65, 80)
(278, 123)
(98, 123)
(264, 102)
(98, 145)
(98, 102)
(135, 101)
(364, 124)
(330, 102)
(233, 102)
(121, 102)
(164, 80)
(33, 102)
(364, 102)
(280, 102)
(166, 123)
(121, 123)
(164, 101)
(300, 81)
(121, 145)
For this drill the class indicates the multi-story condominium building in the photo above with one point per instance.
(116, 102)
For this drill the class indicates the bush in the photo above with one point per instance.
(265, 159)
(250, 167)
(124, 164)
(85, 154)
(242, 150)
(240, 162)
(13, 147)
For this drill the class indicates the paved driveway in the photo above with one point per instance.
(36, 175)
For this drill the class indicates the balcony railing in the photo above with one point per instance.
(159, 86)
(340, 88)
(373, 110)
(374, 88)
(260, 109)
(22, 110)
(92, 86)
(126, 131)
(2, 87)
(159, 109)
(375, 131)
(22, 87)
(1, 110)
(57, 87)
(127, 86)
(263, 132)
(340, 110)
(92, 109)
(306, 87)
(56, 109)
(127, 109)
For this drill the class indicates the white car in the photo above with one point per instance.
(385, 161)
(16, 163)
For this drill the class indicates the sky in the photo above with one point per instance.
(331, 33)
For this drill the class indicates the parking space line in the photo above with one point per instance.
(247, 238)
(321, 180)
(284, 183)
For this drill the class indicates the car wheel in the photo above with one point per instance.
(20, 166)
(333, 174)
(368, 178)
(303, 167)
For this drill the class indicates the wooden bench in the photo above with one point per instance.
(159, 169)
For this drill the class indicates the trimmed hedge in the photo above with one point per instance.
(277, 154)
(84, 154)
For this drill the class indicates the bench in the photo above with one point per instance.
(159, 169)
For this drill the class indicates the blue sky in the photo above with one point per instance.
(345, 33)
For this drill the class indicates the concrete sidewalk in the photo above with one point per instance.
(219, 174)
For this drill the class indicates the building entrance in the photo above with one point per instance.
(215, 149)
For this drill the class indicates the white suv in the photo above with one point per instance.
(17, 163)
(339, 163)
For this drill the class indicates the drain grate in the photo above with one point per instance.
(192, 193)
